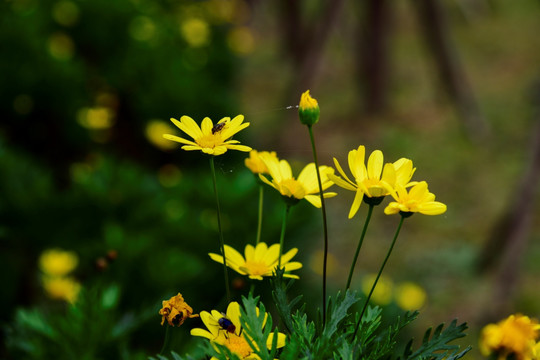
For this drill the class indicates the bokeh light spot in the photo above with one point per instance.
(241, 40)
(169, 175)
(142, 28)
(95, 118)
(382, 295)
(154, 133)
(60, 46)
(195, 31)
(410, 296)
(23, 104)
(65, 13)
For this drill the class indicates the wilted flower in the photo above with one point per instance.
(209, 138)
(305, 187)
(175, 311)
(259, 261)
(225, 329)
(514, 337)
(417, 199)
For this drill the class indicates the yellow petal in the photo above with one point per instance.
(356, 203)
(432, 208)
(206, 126)
(341, 183)
(375, 165)
(179, 139)
(233, 313)
(189, 126)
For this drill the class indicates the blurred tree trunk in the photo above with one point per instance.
(507, 243)
(452, 74)
(305, 43)
(373, 54)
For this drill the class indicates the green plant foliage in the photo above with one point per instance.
(436, 346)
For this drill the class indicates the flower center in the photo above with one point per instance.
(210, 140)
(291, 187)
(238, 345)
(256, 268)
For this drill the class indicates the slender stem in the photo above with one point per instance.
(378, 275)
(282, 236)
(259, 222)
(221, 242)
(325, 229)
(167, 340)
(366, 223)
(252, 288)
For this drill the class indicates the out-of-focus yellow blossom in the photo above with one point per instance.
(65, 13)
(154, 133)
(56, 262)
(382, 294)
(196, 32)
(417, 199)
(410, 296)
(374, 181)
(175, 311)
(308, 109)
(96, 118)
(61, 288)
(259, 261)
(305, 187)
(209, 138)
(241, 40)
(514, 337)
(232, 335)
(61, 46)
(254, 162)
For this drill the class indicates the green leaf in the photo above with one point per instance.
(436, 346)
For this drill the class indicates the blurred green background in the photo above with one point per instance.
(86, 93)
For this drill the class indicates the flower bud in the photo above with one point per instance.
(308, 110)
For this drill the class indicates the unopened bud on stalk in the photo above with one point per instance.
(308, 110)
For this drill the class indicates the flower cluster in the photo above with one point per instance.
(56, 265)
(516, 337)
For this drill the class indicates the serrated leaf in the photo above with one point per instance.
(437, 346)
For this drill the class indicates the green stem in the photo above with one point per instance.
(259, 222)
(366, 223)
(221, 242)
(282, 236)
(325, 229)
(167, 340)
(252, 288)
(378, 275)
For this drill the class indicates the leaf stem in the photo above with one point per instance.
(325, 228)
(360, 241)
(259, 221)
(167, 340)
(282, 236)
(221, 242)
(378, 275)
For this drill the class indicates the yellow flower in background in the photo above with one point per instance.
(375, 180)
(254, 162)
(305, 187)
(196, 32)
(225, 329)
(259, 261)
(61, 288)
(308, 109)
(175, 311)
(513, 337)
(209, 138)
(382, 294)
(410, 296)
(56, 262)
(417, 199)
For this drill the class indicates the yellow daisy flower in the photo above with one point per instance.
(305, 187)
(209, 138)
(175, 311)
(254, 162)
(62, 288)
(55, 262)
(417, 199)
(374, 181)
(225, 329)
(259, 261)
(513, 337)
